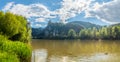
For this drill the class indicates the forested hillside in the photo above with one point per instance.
(77, 30)
(61, 30)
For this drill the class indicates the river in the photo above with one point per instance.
(75, 51)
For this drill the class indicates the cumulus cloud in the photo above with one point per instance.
(37, 25)
(40, 20)
(8, 6)
(70, 8)
(108, 12)
(33, 12)
(38, 11)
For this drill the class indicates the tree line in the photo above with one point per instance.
(106, 33)
(74, 31)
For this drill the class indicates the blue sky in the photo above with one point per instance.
(39, 12)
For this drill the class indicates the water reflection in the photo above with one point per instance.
(100, 57)
(77, 51)
(39, 55)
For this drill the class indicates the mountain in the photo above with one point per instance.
(61, 28)
(53, 30)
(118, 24)
(77, 30)
(36, 32)
(85, 24)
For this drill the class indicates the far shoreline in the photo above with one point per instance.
(78, 39)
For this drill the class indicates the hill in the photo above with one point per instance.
(60, 30)
(85, 24)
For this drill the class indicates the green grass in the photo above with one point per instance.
(17, 49)
(7, 57)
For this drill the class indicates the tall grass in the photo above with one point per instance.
(16, 49)
(7, 57)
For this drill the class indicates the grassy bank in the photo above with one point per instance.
(14, 51)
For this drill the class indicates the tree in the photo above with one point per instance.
(116, 32)
(93, 33)
(15, 27)
(82, 34)
(71, 33)
(8, 25)
(104, 32)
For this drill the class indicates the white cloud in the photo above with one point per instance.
(70, 8)
(8, 6)
(108, 12)
(37, 25)
(40, 20)
(33, 10)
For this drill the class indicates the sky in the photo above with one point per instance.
(39, 12)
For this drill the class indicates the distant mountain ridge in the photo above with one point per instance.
(61, 29)
(85, 24)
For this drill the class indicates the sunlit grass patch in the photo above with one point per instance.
(7, 57)
(21, 50)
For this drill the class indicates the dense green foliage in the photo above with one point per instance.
(14, 36)
(108, 33)
(22, 50)
(7, 57)
(72, 34)
(15, 27)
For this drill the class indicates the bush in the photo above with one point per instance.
(22, 50)
(6, 57)
(20, 34)
(8, 22)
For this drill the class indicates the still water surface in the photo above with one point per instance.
(75, 51)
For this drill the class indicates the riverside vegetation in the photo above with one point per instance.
(14, 38)
(77, 30)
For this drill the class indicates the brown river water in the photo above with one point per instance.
(75, 51)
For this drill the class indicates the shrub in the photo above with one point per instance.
(20, 34)
(22, 50)
(6, 57)
(8, 22)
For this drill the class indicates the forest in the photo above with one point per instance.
(15, 35)
(77, 30)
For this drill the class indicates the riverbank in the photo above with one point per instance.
(14, 51)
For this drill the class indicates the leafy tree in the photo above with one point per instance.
(71, 33)
(82, 34)
(14, 26)
(8, 24)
